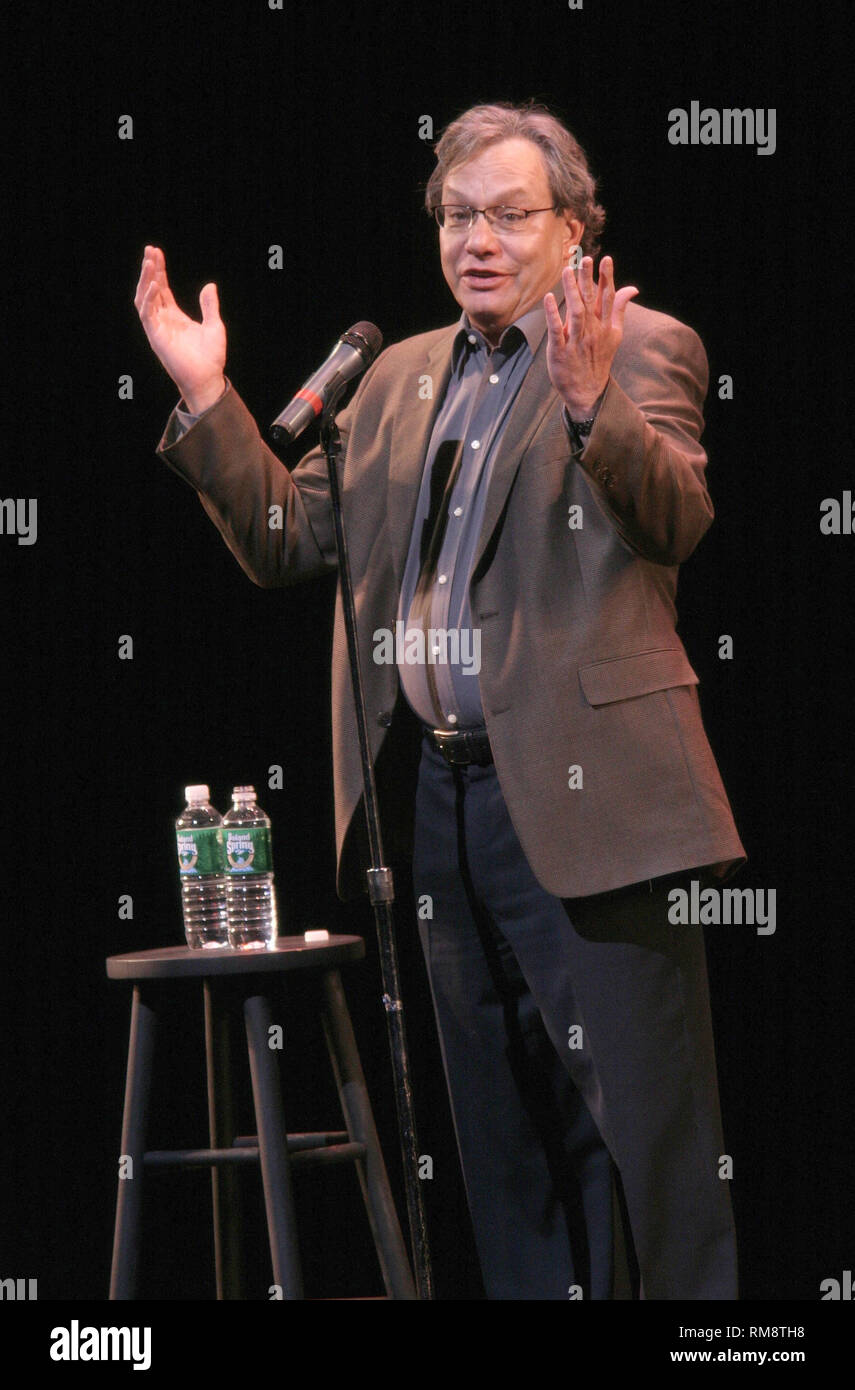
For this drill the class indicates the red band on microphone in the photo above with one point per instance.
(314, 401)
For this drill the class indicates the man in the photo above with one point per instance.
(536, 499)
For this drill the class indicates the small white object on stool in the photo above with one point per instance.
(316, 936)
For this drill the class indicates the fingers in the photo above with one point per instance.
(585, 281)
(153, 271)
(153, 294)
(148, 277)
(554, 326)
(581, 280)
(605, 289)
(150, 306)
(573, 302)
(622, 298)
(605, 303)
(209, 303)
(613, 303)
(144, 280)
(159, 263)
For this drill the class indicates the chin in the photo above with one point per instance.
(483, 307)
(488, 323)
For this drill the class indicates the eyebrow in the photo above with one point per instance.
(514, 192)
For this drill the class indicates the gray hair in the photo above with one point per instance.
(570, 180)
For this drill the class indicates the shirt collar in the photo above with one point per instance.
(532, 325)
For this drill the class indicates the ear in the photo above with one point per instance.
(574, 233)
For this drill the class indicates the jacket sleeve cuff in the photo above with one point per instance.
(183, 419)
(578, 440)
(615, 447)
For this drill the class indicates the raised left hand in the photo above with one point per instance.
(580, 351)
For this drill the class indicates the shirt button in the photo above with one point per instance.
(443, 578)
(458, 511)
(493, 378)
(452, 718)
(476, 444)
(472, 338)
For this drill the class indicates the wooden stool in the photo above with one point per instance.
(252, 975)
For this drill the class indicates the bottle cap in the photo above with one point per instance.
(196, 794)
(243, 794)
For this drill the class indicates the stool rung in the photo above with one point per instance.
(298, 1141)
(326, 1155)
(199, 1158)
(332, 1154)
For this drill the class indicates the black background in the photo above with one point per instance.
(254, 127)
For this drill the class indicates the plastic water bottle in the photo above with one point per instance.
(250, 895)
(200, 861)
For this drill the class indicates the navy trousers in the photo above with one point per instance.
(577, 1042)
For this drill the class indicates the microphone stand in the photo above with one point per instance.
(380, 886)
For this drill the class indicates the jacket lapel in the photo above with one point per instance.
(536, 396)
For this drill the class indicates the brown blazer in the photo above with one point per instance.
(581, 665)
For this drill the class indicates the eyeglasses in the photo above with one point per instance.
(456, 217)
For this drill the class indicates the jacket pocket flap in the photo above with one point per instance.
(626, 676)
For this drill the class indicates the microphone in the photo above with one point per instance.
(354, 351)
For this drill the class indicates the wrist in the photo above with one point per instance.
(200, 398)
(583, 408)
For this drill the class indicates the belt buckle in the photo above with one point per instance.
(450, 743)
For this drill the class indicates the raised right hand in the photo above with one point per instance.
(194, 354)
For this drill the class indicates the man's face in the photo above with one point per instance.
(497, 276)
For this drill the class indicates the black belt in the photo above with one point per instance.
(461, 746)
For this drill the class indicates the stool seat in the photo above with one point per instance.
(183, 962)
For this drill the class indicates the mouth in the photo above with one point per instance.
(482, 279)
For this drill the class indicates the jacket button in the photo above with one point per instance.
(384, 718)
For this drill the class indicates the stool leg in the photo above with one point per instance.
(225, 1192)
(129, 1202)
(273, 1148)
(356, 1107)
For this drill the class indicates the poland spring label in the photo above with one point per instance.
(200, 850)
(248, 849)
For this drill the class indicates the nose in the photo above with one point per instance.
(481, 238)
